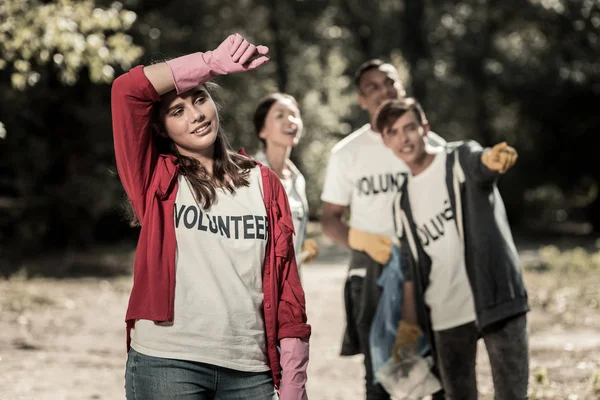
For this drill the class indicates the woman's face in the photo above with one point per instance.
(191, 121)
(283, 124)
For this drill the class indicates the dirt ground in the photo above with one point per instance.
(65, 339)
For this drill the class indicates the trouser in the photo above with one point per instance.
(156, 378)
(364, 296)
(373, 391)
(507, 347)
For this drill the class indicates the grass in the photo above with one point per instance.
(566, 295)
(20, 296)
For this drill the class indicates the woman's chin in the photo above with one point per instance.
(199, 145)
(206, 140)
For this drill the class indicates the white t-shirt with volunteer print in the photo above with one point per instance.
(295, 188)
(218, 316)
(365, 175)
(449, 294)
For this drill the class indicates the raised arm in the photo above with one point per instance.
(500, 158)
(235, 54)
(136, 93)
(484, 166)
(133, 99)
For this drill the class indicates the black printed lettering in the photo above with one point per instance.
(384, 182)
(201, 226)
(372, 182)
(381, 183)
(429, 233)
(363, 186)
(435, 228)
(236, 220)
(248, 227)
(439, 227)
(423, 236)
(178, 215)
(448, 214)
(186, 221)
(396, 181)
(224, 226)
(245, 227)
(258, 222)
(212, 224)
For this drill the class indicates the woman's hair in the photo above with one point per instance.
(263, 109)
(231, 170)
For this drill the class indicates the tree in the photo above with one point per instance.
(53, 55)
(67, 36)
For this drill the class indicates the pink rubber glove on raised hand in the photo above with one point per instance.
(294, 361)
(235, 54)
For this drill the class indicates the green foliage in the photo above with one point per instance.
(69, 35)
(56, 185)
(525, 72)
(541, 376)
(577, 260)
(595, 384)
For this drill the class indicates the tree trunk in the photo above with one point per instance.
(278, 45)
(415, 47)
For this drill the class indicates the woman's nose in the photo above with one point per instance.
(198, 115)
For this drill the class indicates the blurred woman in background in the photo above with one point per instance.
(278, 124)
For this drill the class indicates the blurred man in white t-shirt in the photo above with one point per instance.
(363, 177)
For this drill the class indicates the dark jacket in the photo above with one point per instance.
(491, 258)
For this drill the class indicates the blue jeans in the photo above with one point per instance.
(149, 378)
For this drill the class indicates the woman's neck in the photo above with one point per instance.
(277, 157)
(208, 165)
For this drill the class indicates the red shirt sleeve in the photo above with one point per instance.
(133, 100)
(291, 314)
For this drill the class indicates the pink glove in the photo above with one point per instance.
(294, 361)
(233, 55)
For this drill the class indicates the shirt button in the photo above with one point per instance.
(268, 305)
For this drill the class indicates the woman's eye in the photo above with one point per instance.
(177, 113)
(200, 100)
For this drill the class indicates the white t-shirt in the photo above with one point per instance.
(218, 292)
(295, 188)
(364, 174)
(449, 294)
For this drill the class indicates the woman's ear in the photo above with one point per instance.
(262, 134)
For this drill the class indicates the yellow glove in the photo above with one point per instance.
(311, 249)
(406, 338)
(500, 158)
(378, 247)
